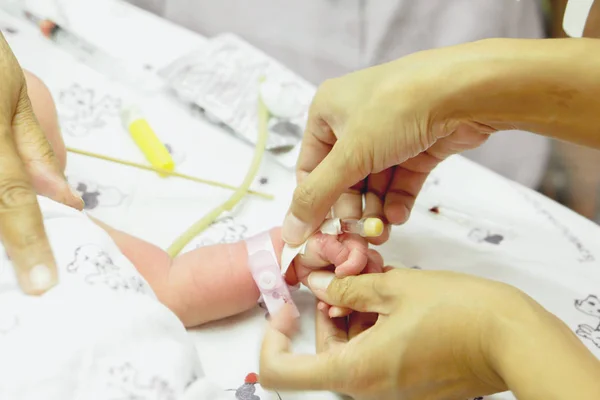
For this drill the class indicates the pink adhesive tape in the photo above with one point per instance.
(266, 272)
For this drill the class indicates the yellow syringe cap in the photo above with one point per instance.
(373, 227)
(146, 140)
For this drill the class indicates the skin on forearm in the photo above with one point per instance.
(539, 357)
(199, 286)
(571, 177)
(547, 87)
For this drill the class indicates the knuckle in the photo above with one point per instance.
(43, 149)
(381, 287)
(31, 239)
(344, 291)
(16, 193)
(356, 153)
(24, 114)
(304, 197)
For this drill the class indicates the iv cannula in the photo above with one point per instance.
(365, 227)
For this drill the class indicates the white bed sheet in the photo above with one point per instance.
(496, 229)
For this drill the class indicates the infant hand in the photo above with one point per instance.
(346, 254)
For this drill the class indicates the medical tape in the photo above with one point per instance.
(331, 226)
(266, 272)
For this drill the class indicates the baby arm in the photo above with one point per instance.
(45, 112)
(215, 282)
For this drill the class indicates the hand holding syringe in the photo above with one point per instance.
(366, 228)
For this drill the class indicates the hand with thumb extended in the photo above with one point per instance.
(28, 166)
(377, 133)
(414, 335)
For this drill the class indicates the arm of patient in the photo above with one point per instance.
(214, 282)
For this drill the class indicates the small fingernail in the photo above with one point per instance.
(336, 312)
(294, 231)
(320, 280)
(294, 288)
(321, 306)
(41, 278)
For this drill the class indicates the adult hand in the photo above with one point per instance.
(435, 336)
(27, 165)
(377, 132)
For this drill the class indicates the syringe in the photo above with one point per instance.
(88, 53)
(365, 227)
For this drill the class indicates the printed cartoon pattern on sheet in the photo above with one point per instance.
(247, 391)
(95, 195)
(223, 230)
(98, 268)
(585, 254)
(590, 305)
(479, 235)
(82, 111)
(129, 384)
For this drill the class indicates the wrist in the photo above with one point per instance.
(515, 323)
(536, 354)
(541, 86)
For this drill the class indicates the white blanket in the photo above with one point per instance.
(99, 334)
(487, 226)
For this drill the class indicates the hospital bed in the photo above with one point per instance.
(466, 219)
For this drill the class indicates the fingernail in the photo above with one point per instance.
(41, 278)
(294, 231)
(336, 312)
(320, 280)
(78, 197)
(294, 288)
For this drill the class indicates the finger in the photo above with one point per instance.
(317, 142)
(336, 312)
(347, 252)
(333, 311)
(44, 108)
(374, 265)
(38, 156)
(331, 333)
(359, 322)
(21, 224)
(292, 278)
(377, 185)
(350, 204)
(313, 198)
(405, 185)
(323, 250)
(357, 257)
(281, 370)
(375, 262)
(402, 193)
(364, 293)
